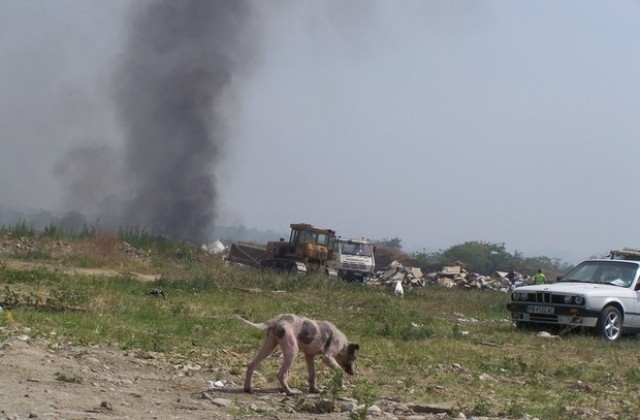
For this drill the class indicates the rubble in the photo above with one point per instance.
(397, 275)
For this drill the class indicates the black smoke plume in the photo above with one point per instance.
(180, 59)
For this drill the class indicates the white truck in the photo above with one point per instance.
(353, 259)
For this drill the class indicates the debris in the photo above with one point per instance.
(546, 335)
(158, 293)
(399, 290)
(215, 247)
(449, 276)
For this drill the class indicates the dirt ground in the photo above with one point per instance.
(107, 383)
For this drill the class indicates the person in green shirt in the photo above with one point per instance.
(539, 277)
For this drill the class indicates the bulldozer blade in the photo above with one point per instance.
(245, 254)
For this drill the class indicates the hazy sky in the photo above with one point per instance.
(437, 122)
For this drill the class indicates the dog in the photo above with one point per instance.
(294, 333)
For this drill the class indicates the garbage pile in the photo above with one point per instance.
(396, 272)
(449, 276)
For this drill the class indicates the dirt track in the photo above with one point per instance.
(107, 383)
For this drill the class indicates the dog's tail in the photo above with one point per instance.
(262, 325)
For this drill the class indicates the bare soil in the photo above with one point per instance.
(107, 383)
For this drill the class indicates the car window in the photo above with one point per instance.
(603, 272)
(585, 273)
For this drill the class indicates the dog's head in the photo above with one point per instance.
(347, 356)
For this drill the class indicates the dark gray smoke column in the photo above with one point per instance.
(179, 60)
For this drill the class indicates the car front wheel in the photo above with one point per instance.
(609, 324)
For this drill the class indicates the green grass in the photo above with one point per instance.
(433, 345)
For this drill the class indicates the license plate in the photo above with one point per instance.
(540, 309)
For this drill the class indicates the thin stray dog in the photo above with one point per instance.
(293, 333)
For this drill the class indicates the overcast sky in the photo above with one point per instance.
(437, 122)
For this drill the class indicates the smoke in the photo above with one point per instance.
(171, 87)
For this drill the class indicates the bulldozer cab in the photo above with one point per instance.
(311, 243)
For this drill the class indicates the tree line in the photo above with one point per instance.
(483, 258)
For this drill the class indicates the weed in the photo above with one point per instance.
(515, 365)
(239, 410)
(514, 408)
(72, 379)
(158, 340)
(32, 255)
(335, 390)
(7, 318)
(366, 393)
(482, 407)
(20, 230)
(53, 231)
(410, 382)
(633, 375)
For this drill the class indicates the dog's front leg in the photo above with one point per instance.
(331, 362)
(311, 368)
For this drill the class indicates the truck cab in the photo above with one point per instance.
(353, 259)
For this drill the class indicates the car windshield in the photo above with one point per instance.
(617, 273)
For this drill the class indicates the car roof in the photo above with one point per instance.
(611, 260)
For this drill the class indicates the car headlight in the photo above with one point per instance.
(519, 296)
(579, 300)
(568, 298)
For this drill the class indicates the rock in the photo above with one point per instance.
(220, 402)
(432, 408)
(315, 405)
(374, 409)
(349, 406)
(261, 407)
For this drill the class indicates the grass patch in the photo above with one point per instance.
(434, 345)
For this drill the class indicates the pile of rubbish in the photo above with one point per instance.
(450, 276)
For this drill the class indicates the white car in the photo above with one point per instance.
(601, 294)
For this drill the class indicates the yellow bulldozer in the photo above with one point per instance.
(308, 250)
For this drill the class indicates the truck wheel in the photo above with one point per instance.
(609, 324)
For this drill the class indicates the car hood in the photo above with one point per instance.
(577, 288)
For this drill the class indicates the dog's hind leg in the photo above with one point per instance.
(267, 348)
(289, 347)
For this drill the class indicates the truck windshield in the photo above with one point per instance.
(350, 248)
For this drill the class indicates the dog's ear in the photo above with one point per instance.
(353, 348)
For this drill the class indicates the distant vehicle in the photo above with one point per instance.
(308, 251)
(599, 294)
(353, 259)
